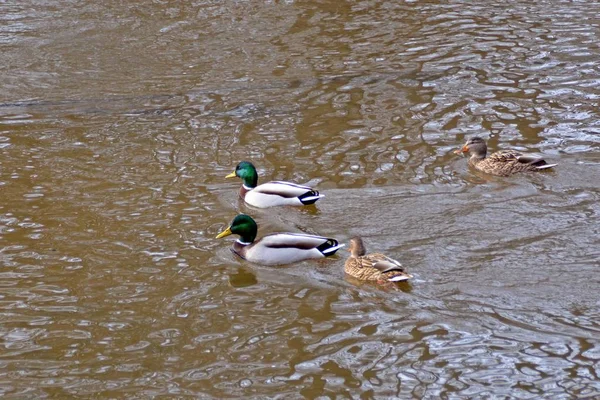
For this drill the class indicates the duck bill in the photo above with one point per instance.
(231, 175)
(464, 149)
(226, 232)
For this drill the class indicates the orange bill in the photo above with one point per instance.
(464, 149)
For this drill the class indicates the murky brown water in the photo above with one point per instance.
(118, 123)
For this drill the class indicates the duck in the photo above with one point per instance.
(501, 163)
(271, 194)
(276, 248)
(372, 267)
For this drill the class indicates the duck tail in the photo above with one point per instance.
(330, 247)
(400, 278)
(310, 197)
(546, 166)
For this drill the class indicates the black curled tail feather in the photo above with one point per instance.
(329, 247)
(310, 197)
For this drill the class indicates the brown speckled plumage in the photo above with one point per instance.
(501, 163)
(372, 267)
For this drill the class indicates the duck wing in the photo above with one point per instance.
(531, 159)
(388, 268)
(278, 193)
(287, 248)
(301, 241)
(534, 160)
(384, 263)
(504, 156)
(284, 189)
(512, 156)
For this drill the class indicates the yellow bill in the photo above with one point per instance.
(231, 175)
(226, 232)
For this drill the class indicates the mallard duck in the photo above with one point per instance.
(372, 267)
(276, 248)
(501, 163)
(276, 193)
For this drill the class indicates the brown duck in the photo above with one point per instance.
(372, 267)
(501, 163)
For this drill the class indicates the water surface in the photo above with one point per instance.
(119, 122)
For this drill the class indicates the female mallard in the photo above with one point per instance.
(501, 163)
(276, 193)
(372, 267)
(277, 248)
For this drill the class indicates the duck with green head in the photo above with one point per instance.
(276, 248)
(270, 194)
(374, 267)
(501, 163)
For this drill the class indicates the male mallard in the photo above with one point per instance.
(501, 163)
(276, 248)
(276, 193)
(372, 267)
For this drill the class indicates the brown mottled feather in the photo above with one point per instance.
(372, 267)
(504, 162)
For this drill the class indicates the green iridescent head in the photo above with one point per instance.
(242, 225)
(247, 173)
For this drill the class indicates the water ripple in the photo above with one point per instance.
(116, 138)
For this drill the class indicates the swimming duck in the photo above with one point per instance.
(276, 248)
(372, 267)
(276, 193)
(501, 163)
